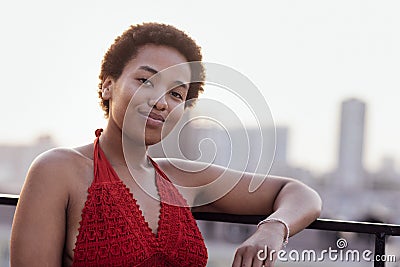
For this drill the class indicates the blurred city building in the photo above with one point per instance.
(16, 159)
(351, 191)
(350, 173)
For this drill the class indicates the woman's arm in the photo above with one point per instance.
(294, 204)
(277, 197)
(38, 230)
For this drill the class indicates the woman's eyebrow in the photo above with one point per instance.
(177, 83)
(183, 84)
(149, 69)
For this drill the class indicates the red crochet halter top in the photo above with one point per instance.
(113, 231)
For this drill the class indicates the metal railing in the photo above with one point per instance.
(380, 230)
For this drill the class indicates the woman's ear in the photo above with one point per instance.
(106, 89)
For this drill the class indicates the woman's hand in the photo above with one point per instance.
(262, 247)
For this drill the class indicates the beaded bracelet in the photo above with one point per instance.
(286, 240)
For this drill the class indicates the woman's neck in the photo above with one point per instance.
(121, 150)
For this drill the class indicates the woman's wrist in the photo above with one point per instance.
(277, 225)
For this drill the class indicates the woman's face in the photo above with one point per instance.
(147, 101)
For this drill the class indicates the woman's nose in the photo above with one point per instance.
(159, 103)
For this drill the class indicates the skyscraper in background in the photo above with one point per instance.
(280, 163)
(350, 169)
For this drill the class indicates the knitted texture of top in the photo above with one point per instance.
(114, 232)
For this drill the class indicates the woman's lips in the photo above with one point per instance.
(153, 119)
(156, 116)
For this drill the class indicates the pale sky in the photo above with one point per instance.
(304, 56)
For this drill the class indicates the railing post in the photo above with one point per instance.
(379, 249)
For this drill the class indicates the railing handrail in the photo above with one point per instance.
(9, 199)
(319, 224)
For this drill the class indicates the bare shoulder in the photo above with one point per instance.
(56, 157)
(61, 156)
(61, 161)
(57, 169)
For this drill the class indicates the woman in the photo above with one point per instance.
(86, 206)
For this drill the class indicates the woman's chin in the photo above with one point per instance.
(152, 140)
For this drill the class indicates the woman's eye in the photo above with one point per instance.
(176, 94)
(145, 81)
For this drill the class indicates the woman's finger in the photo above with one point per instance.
(237, 260)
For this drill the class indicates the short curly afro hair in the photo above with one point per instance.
(125, 48)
